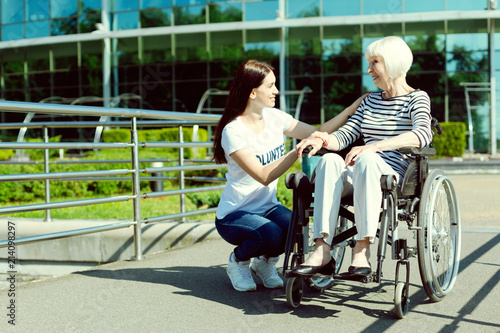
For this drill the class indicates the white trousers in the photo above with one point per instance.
(333, 180)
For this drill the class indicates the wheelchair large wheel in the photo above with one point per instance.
(338, 252)
(294, 291)
(438, 240)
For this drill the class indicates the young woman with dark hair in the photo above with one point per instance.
(249, 138)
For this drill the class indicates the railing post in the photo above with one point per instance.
(136, 192)
(181, 174)
(48, 218)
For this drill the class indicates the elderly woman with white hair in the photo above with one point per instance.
(398, 116)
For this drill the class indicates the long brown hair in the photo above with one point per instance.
(249, 75)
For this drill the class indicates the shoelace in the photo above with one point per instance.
(270, 270)
(244, 272)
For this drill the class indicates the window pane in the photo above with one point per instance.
(189, 15)
(155, 18)
(342, 50)
(65, 55)
(124, 21)
(226, 53)
(90, 4)
(189, 2)
(302, 8)
(341, 8)
(304, 41)
(12, 32)
(414, 6)
(63, 8)
(225, 13)
(12, 11)
(91, 68)
(467, 5)
(157, 49)
(339, 92)
(37, 58)
(191, 47)
(262, 43)
(155, 3)
(64, 26)
(119, 5)
(37, 29)
(263, 10)
(382, 7)
(88, 22)
(37, 10)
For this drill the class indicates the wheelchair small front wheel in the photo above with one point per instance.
(294, 291)
(401, 300)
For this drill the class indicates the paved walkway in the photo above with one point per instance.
(188, 290)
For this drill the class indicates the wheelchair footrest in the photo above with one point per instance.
(349, 277)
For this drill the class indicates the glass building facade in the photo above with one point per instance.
(170, 52)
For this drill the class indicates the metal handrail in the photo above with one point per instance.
(161, 119)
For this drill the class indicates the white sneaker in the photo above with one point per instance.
(265, 269)
(240, 275)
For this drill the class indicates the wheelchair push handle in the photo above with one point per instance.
(435, 124)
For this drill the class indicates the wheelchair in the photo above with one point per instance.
(425, 201)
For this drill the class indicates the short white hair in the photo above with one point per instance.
(396, 54)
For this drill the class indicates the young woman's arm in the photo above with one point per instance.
(301, 130)
(263, 174)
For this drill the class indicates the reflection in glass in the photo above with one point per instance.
(339, 92)
(189, 15)
(88, 22)
(120, 5)
(225, 13)
(90, 4)
(466, 5)
(91, 68)
(415, 6)
(12, 32)
(37, 58)
(64, 26)
(341, 8)
(155, 3)
(262, 10)
(226, 53)
(63, 8)
(189, 2)
(262, 43)
(155, 17)
(302, 8)
(12, 11)
(37, 29)
(384, 7)
(37, 10)
(124, 21)
(191, 47)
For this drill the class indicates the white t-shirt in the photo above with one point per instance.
(242, 192)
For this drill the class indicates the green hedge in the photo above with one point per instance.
(165, 134)
(452, 142)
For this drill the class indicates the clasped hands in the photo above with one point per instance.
(318, 140)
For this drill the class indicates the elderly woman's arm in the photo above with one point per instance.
(408, 139)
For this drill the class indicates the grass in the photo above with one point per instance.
(117, 210)
(151, 207)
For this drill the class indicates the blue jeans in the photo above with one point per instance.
(255, 234)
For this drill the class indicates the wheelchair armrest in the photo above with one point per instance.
(320, 152)
(419, 151)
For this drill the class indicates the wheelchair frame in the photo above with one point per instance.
(427, 202)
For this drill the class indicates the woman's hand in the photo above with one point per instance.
(353, 155)
(315, 140)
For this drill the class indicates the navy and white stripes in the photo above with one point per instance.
(377, 119)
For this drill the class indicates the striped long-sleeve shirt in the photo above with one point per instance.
(377, 119)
